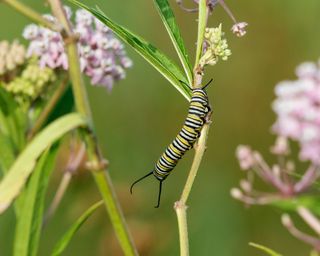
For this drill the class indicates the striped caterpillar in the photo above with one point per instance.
(184, 141)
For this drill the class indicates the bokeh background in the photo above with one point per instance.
(143, 113)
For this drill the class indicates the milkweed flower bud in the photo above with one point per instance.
(245, 157)
(32, 82)
(281, 146)
(236, 193)
(11, 56)
(239, 29)
(102, 56)
(215, 46)
(286, 220)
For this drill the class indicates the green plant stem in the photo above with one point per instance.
(70, 39)
(181, 210)
(202, 22)
(48, 108)
(96, 163)
(64, 184)
(199, 152)
(180, 206)
(31, 14)
(105, 186)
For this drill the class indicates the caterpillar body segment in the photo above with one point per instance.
(184, 141)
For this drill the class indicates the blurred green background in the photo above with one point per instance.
(143, 113)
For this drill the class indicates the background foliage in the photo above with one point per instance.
(140, 117)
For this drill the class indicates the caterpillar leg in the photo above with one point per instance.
(160, 187)
(159, 195)
(145, 176)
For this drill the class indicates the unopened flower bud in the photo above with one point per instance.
(281, 146)
(286, 220)
(31, 84)
(246, 186)
(215, 47)
(11, 56)
(245, 157)
(236, 193)
(239, 29)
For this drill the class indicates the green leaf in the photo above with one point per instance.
(13, 119)
(265, 249)
(291, 204)
(65, 240)
(15, 179)
(169, 21)
(29, 224)
(156, 58)
(7, 155)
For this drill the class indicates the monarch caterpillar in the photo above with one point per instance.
(184, 141)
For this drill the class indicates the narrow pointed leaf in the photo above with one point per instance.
(265, 249)
(65, 240)
(169, 21)
(16, 177)
(149, 52)
(28, 227)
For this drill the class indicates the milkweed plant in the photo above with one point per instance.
(44, 105)
(297, 125)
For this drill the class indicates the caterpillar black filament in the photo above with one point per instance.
(184, 141)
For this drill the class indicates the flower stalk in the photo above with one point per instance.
(48, 108)
(96, 163)
(180, 206)
(31, 14)
(202, 23)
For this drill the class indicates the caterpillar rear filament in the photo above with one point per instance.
(184, 141)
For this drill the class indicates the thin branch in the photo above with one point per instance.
(75, 159)
(31, 14)
(202, 23)
(48, 108)
(64, 184)
(307, 180)
(96, 161)
(309, 218)
(181, 210)
(199, 152)
(180, 206)
(289, 225)
(70, 39)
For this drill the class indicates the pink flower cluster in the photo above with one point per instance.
(102, 56)
(298, 111)
(298, 118)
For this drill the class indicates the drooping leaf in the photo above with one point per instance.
(66, 238)
(14, 181)
(265, 249)
(169, 21)
(156, 58)
(28, 227)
